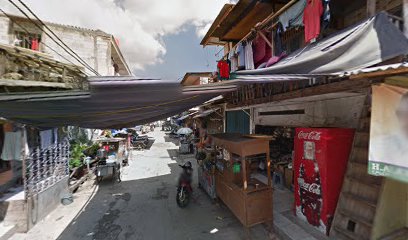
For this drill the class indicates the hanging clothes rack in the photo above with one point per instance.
(262, 25)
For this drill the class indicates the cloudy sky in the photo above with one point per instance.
(159, 38)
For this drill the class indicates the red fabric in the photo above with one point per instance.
(262, 51)
(224, 69)
(34, 45)
(275, 59)
(311, 19)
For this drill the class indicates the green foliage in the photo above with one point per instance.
(77, 155)
(92, 150)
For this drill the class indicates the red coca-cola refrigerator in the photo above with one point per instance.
(321, 156)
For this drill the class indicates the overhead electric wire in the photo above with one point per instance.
(25, 30)
(52, 32)
(72, 53)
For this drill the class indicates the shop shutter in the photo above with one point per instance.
(237, 121)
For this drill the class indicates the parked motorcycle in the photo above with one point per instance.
(139, 142)
(184, 189)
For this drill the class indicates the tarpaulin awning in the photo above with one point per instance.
(113, 102)
(366, 44)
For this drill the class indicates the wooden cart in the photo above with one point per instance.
(248, 198)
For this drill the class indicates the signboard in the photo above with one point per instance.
(389, 133)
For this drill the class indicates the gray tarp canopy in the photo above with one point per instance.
(113, 102)
(366, 44)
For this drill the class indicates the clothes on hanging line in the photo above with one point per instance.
(223, 69)
(277, 39)
(35, 45)
(249, 56)
(293, 16)
(262, 50)
(326, 14)
(240, 52)
(55, 137)
(12, 146)
(275, 59)
(311, 19)
(46, 138)
(233, 59)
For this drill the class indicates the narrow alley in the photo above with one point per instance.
(143, 205)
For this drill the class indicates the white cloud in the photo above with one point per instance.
(138, 24)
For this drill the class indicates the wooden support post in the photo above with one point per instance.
(268, 167)
(405, 16)
(371, 8)
(266, 39)
(244, 172)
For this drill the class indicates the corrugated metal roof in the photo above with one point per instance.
(396, 66)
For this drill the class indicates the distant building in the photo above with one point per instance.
(97, 48)
(197, 78)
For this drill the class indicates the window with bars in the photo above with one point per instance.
(27, 40)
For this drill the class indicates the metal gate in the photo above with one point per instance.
(45, 167)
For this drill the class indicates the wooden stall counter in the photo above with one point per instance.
(247, 197)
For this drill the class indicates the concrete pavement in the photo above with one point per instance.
(143, 206)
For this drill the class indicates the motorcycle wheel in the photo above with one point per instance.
(99, 179)
(182, 198)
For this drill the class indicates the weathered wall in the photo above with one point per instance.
(92, 46)
(40, 205)
(4, 28)
(392, 210)
(103, 56)
(338, 112)
(95, 50)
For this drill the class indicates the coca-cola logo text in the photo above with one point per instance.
(310, 135)
(310, 187)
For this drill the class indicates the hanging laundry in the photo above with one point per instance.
(326, 14)
(249, 56)
(275, 59)
(223, 69)
(240, 52)
(311, 19)
(262, 51)
(12, 146)
(277, 38)
(233, 59)
(293, 16)
(25, 143)
(34, 45)
(46, 138)
(55, 136)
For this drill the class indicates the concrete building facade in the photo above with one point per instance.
(98, 49)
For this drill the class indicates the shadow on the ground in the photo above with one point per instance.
(146, 209)
(175, 141)
(150, 144)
